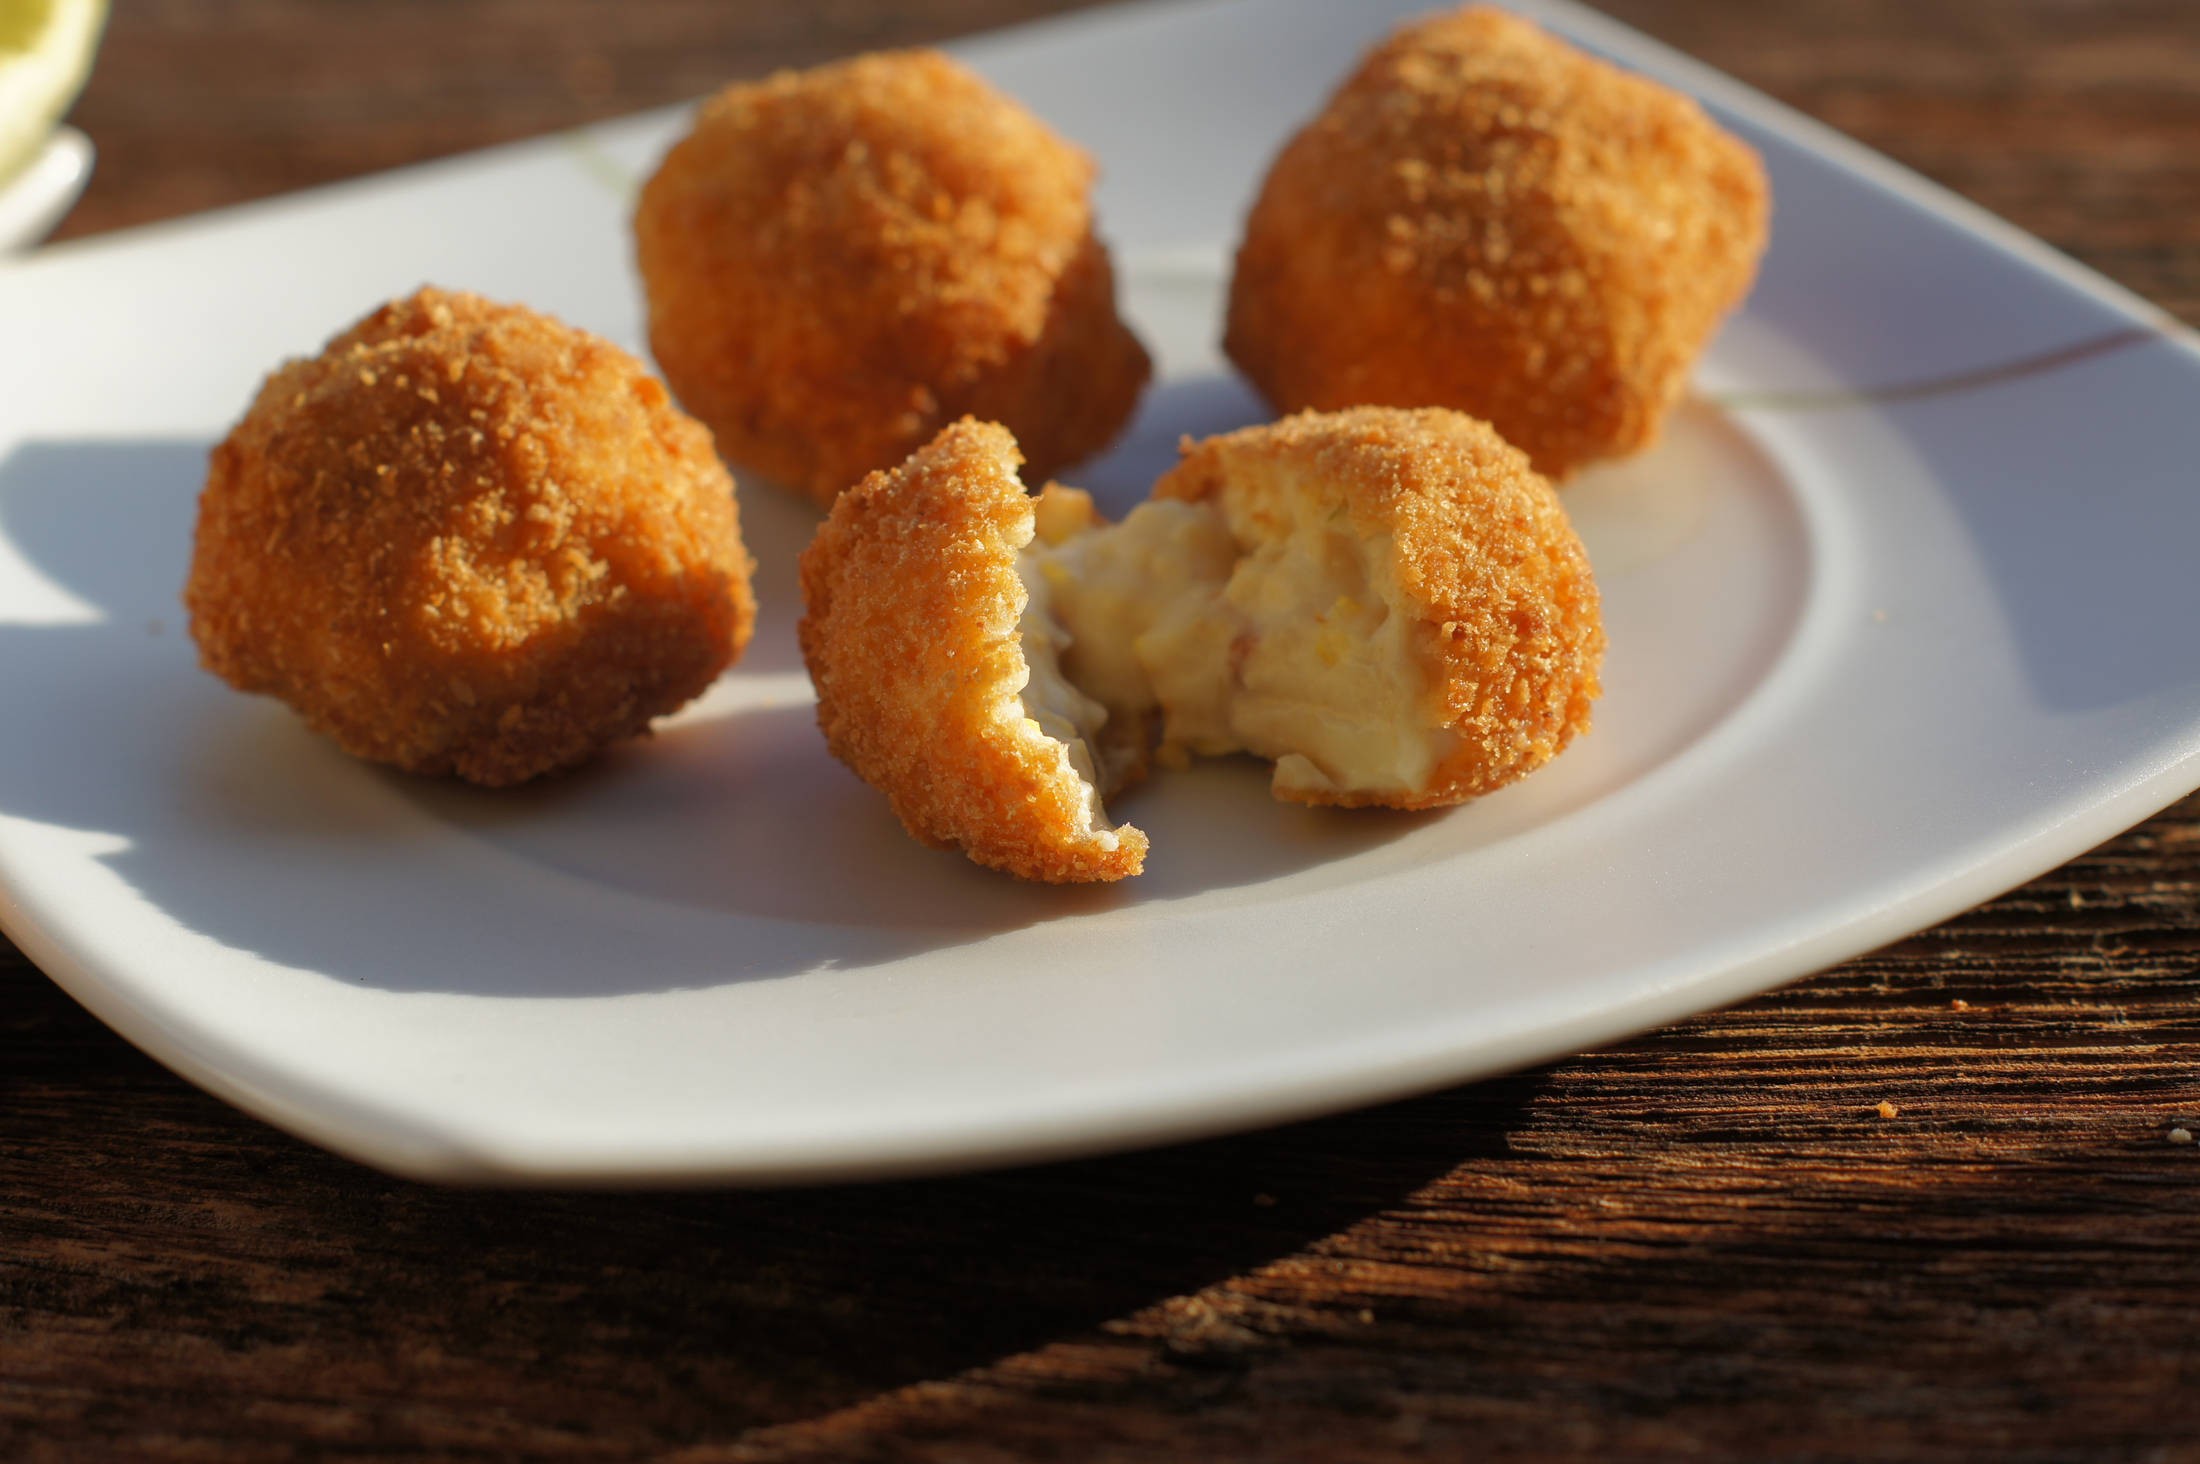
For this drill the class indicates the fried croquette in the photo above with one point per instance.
(468, 539)
(1485, 218)
(1389, 605)
(928, 685)
(841, 261)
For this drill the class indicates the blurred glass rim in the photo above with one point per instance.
(48, 49)
(35, 197)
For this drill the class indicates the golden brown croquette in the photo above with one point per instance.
(1484, 218)
(913, 639)
(466, 538)
(841, 261)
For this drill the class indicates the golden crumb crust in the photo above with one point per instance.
(1485, 218)
(466, 538)
(912, 602)
(1485, 559)
(841, 261)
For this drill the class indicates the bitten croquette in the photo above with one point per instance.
(1485, 218)
(1388, 605)
(841, 261)
(466, 538)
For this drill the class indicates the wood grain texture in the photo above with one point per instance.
(1712, 1242)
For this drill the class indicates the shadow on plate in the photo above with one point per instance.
(1193, 406)
(748, 814)
(778, 523)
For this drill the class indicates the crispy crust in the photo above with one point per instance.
(466, 538)
(841, 261)
(1485, 559)
(910, 633)
(1485, 218)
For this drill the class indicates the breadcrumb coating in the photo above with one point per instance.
(911, 635)
(841, 261)
(1509, 630)
(466, 538)
(1484, 218)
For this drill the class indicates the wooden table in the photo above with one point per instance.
(1922, 1205)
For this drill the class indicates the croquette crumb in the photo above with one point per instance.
(1886, 1109)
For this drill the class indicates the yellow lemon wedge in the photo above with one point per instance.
(46, 49)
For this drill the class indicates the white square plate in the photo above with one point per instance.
(1901, 615)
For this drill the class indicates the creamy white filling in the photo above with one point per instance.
(1141, 601)
(1262, 625)
(1051, 704)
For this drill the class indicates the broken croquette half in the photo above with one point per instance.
(912, 636)
(1472, 553)
(466, 538)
